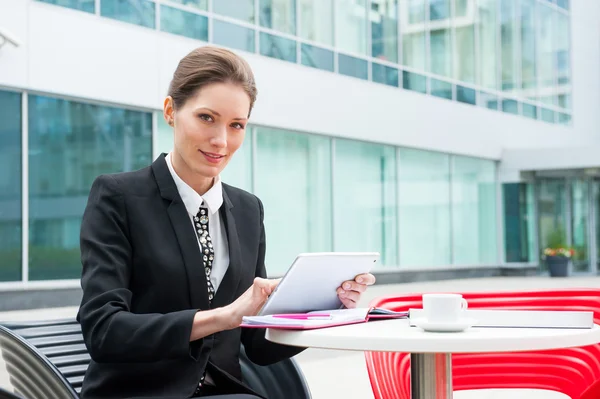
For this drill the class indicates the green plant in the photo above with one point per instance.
(557, 244)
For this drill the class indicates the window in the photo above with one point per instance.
(562, 56)
(464, 59)
(413, 50)
(519, 222)
(233, 36)
(508, 38)
(474, 227)
(199, 4)
(138, 12)
(238, 9)
(81, 5)
(316, 57)
(488, 47)
(10, 186)
(70, 144)
(385, 74)
(293, 173)
(440, 52)
(279, 15)
(352, 66)
(439, 9)
(424, 207)
(316, 21)
(183, 23)
(351, 26)
(277, 47)
(365, 199)
(384, 29)
(528, 72)
(238, 171)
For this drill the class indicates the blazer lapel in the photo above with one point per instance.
(229, 286)
(184, 231)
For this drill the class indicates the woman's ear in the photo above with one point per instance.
(168, 111)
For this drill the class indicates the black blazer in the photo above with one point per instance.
(143, 282)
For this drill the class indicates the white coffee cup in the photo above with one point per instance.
(444, 308)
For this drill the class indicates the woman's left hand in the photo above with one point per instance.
(350, 291)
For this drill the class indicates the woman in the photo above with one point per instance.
(173, 258)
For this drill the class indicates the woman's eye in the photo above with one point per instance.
(237, 125)
(206, 117)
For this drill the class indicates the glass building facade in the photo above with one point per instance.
(512, 56)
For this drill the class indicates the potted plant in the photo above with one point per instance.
(557, 254)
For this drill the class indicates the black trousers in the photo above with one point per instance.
(212, 392)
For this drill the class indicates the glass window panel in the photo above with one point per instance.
(365, 188)
(183, 23)
(351, 26)
(352, 66)
(199, 4)
(10, 186)
(233, 36)
(442, 89)
(424, 208)
(441, 52)
(70, 144)
(545, 53)
(564, 119)
(317, 57)
(488, 100)
(508, 37)
(529, 110)
(277, 47)
(563, 4)
(414, 81)
(413, 50)
(138, 12)
(416, 11)
(510, 106)
(461, 8)
(564, 101)
(519, 222)
(293, 180)
(316, 21)
(528, 22)
(580, 193)
(81, 5)
(474, 211)
(466, 95)
(464, 61)
(552, 212)
(547, 115)
(562, 49)
(439, 9)
(385, 74)
(163, 142)
(488, 43)
(279, 15)
(238, 9)
(384, 29)
(238, 172)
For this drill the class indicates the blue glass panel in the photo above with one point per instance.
(547, 115)
(563, 4)
(183, 23)
(564, 119)
(137, 12)
(385, 74)
(316, 57)
(70, 144)
(442, 89)
(277, 47)
(414, 81)
(529, 110)
(466, 95)
(10, 186)
(488, 100)
(199, 4)
(233, 36)
(279, 15)
(238, 9)
(81, 5)
(352, 66)
(510, 106)
(439, 9)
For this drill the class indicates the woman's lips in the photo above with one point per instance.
(212, 157)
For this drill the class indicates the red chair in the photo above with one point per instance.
(572, 371)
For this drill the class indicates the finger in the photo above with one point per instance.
(366, 279)
(353, 286)
(262, 286)
(348, 303)
(351, 295)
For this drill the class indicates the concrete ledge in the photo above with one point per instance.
(39, 298)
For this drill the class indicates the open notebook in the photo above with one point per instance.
(321, 318)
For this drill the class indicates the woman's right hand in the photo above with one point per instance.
(251, 301)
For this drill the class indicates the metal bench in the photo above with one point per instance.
(48, 360)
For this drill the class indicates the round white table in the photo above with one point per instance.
(431, 351)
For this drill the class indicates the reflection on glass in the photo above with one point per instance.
(279, 15)
(545, 52)
(439, 88)
(81, 5)
(563, 54)
(488, 44)
(461, 8)
(183, 23)
(384, 29)
(238, 172)
(465, 54)
(529, 110)
(351, 26)
(138, 12)
(579, 224)
(365, 188)
(519, 222)
(316, 21)
(277, 47)
(424, 208)
(564, 119)
(439, 9)
(441, 52)
(474, 226)
(547, 115)
(233, 36)
(528, 22)
(510, 106)
(10, 186)
(413, 50)
(70, 144)
(466, 95)
(385, 74)
(352, 66)
(199, 4)
(293, 173)
(552, 212)
(416, 11)
(508, 37)
(317, 57)
(563, 4)
(488, 100)
(414, 82)
(238, 9)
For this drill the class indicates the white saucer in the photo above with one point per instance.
(460, 325)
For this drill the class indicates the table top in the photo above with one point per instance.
(399, 336)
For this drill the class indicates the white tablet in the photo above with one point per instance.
(311, 282)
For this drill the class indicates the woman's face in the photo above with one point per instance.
(208, 129)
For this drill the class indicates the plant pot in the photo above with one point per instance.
(558, 266)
